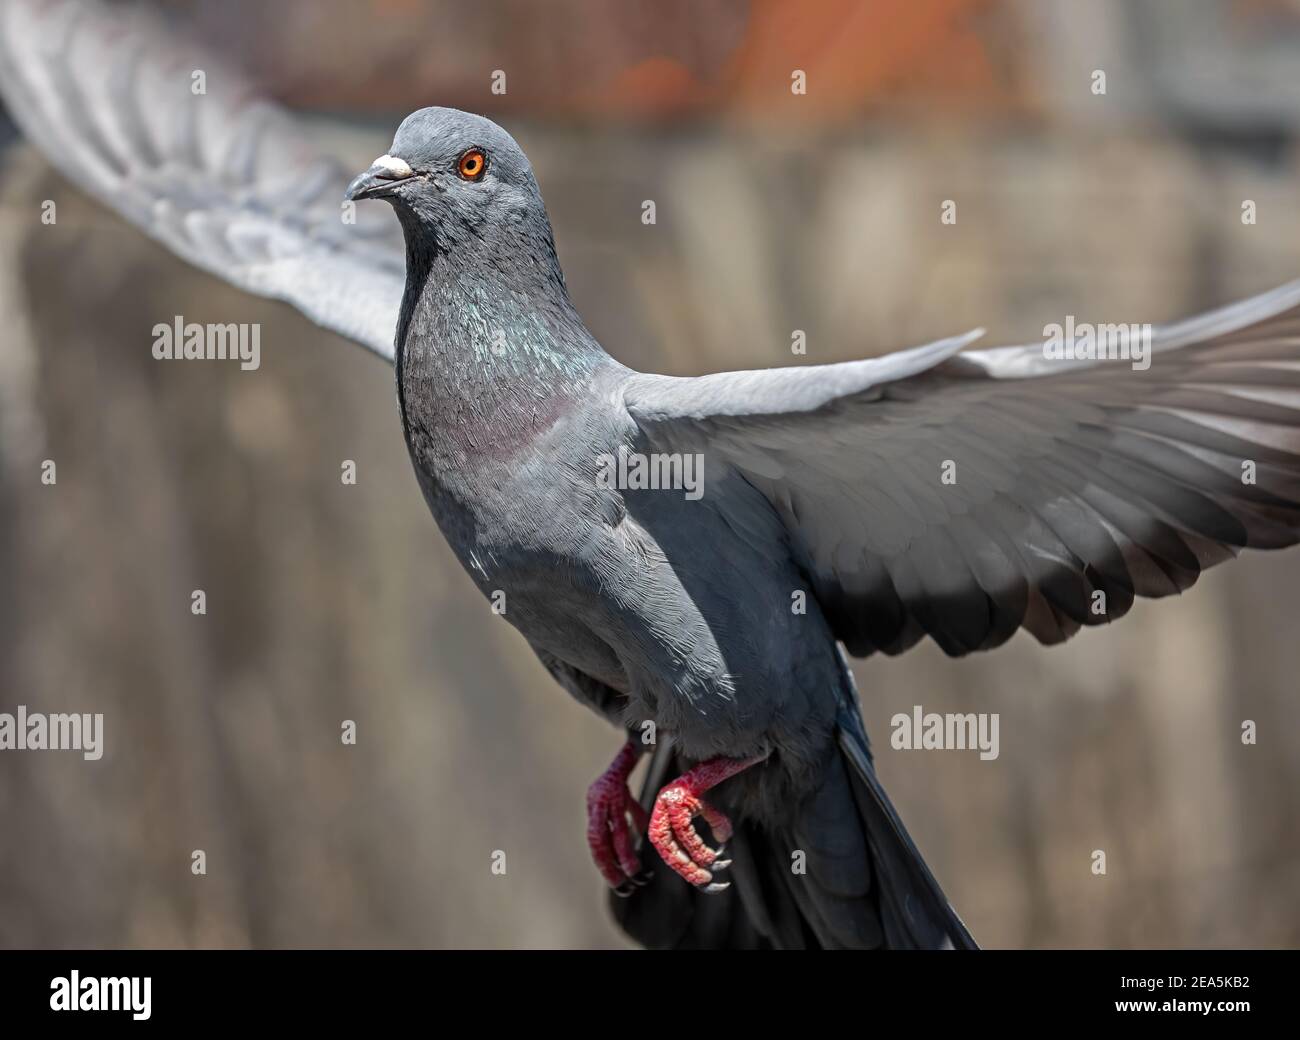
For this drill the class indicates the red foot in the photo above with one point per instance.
(609, 803)
(672, 833)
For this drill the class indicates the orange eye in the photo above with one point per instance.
(472, 164)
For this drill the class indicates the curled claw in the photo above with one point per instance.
(611, 840)
(672, 831)
(674, 836)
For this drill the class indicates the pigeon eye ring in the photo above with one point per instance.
(472, 164)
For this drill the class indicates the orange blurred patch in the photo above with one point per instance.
(657, 87)
(855, 54)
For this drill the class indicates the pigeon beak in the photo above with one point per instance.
(386, 172)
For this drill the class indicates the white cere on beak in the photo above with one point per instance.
(393, 166)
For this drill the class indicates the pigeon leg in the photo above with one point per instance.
(673, 834)
(609, 803)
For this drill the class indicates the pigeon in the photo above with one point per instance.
(695, 559)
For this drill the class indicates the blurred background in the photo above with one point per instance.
(775, 212)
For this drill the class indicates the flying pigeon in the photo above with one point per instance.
(693, 558)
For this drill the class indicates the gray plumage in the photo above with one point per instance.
(1071, 478)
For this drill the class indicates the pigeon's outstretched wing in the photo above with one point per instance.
(224, 179)
(964, 496)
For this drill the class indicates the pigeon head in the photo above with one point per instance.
(479, 249)
(450, 171)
